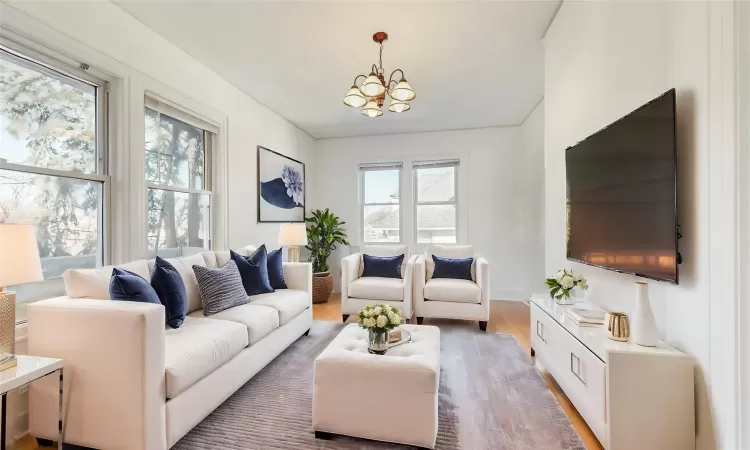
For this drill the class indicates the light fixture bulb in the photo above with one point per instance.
(372, 87)
(354, 98)
(372, 109)
(403, 91)
(398, 106)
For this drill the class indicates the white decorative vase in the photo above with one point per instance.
(643, 330)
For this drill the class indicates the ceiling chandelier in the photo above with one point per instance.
(370, 95)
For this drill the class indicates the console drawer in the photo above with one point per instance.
(542, 330)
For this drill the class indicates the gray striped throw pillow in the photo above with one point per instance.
(220, 288)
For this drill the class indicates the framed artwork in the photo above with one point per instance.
(281, 188)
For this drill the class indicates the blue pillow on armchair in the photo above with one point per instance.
(456, 268)
(126, 285)
(382, 266)
(254, 271)
(170, 288)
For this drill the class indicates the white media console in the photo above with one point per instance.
(632, 397)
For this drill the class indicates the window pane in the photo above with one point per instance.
(381, 224)
(66, 213)
(436, 224)
(175, 152)
(436, 184)
(178, 223)
(381, 186)
(46, 119)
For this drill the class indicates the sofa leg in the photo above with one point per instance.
(345, 316)
(420, 320)
(44, 442)
(323, 435)
(533, 353)
(307, 333)
(483, 325)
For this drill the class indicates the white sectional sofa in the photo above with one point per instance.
(132, 382)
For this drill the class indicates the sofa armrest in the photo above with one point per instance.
(113, 354)
(408, 287)
(298, 275)
(483, 280)
(419, 278)
(349, 273)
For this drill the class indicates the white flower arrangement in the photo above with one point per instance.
(564, 282)
(379, 318)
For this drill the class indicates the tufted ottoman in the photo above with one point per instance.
(393, 397)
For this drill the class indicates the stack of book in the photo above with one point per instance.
(586, 317)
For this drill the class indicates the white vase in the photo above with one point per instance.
(643, 330)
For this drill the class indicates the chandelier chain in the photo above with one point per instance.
(381, 58)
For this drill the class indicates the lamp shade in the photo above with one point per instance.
(293, 234)
(354, 98)
(372, 87)
(402, 91)
(398, 106)
(19, 255)
(372, 109)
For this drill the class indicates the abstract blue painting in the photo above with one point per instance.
(281, 187)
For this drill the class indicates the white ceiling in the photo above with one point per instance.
(472, 64)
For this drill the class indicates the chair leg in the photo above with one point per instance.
(420, 320)
(345, 317)
(483, 325)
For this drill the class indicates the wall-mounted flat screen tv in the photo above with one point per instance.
(622, 194)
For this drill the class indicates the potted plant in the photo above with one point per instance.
(324, 233)
(379, 320)
(562, 286)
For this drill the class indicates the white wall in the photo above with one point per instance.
(496, 197)
(604, 59)
(134, 58)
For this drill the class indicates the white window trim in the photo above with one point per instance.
(363, 168)
(416, 165)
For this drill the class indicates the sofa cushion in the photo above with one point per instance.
(288, 302)
(131, 287)
(220, 288)
(184, 267)
(276, 269)
(383, 250)
(168, 284)
(448, 251)
(94, 283)
(382, 266)
(199, 347)
(377, 288)
(456, 268)
(223, 256)
(253, 271)
(452, 290)
(260, 320)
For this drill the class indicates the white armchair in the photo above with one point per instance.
(358, 292)
(450, 298)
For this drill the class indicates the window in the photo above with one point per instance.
(53, 164)
(177, 171)
(380, 197)
(436, 204)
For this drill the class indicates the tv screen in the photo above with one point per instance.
(622, 194)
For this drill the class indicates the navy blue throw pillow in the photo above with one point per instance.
(276, 270)
(382, 266)
(254, 271)
(129, 286)
(170, 288)
(456, 268)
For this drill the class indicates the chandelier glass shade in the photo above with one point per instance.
(371, 92)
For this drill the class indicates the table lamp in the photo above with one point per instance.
(19, 264)
(293, 235)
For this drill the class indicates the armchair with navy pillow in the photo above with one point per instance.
(450, 282)
(377, 274)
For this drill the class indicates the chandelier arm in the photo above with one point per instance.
(357, 78)
(391, 77)
(389, 89)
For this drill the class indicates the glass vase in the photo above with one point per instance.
(377, 342)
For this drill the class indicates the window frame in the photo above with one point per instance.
(416, 166)
(210, 135)
(363, 169)
(45, 60)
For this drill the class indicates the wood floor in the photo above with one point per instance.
(505, 317)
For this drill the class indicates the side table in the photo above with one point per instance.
(28, 369)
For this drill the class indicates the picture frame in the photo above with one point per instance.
(281, 187)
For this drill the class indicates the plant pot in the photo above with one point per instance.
(322, 287)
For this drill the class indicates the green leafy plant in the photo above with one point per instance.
(562, 284)
(324, 233)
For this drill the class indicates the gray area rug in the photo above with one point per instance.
(491, 397)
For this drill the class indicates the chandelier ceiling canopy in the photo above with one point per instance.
(370, 94)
